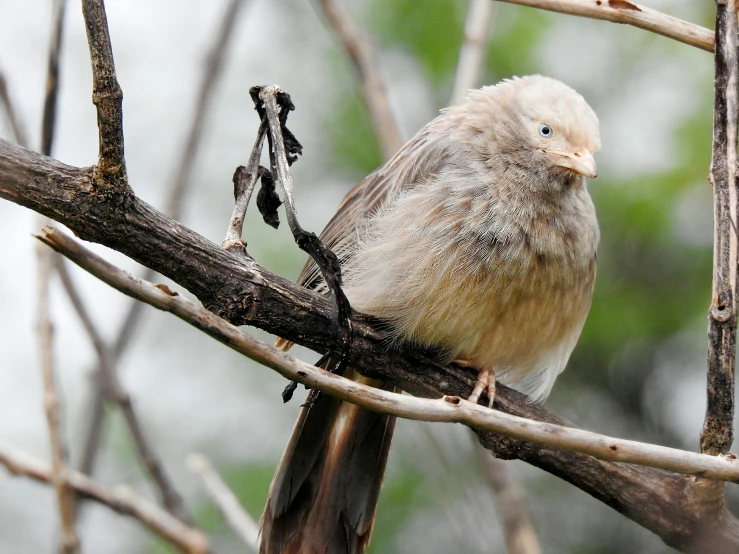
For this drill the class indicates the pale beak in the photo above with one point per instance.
(579, 161)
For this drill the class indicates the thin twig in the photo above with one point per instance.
(717, 433)
(120, 499)
(213, 67)
(51, 99)
(65, 497)
(520, 535)
(244, 181)
(238, 518)
(624, 11)
(448, 409)
(177, 190)
(472, 53)
(358, 47)
(115, 391)
(325, 259)
(68, 540)
(17, 128)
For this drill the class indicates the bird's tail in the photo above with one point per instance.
(323, 496)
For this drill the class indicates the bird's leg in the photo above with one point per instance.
(485, 382)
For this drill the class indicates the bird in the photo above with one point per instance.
(478, 239)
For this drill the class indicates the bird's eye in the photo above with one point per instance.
(545, 130)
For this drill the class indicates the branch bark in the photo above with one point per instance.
(246, 294)
(717, 434)
(624, 11)
(120, 500)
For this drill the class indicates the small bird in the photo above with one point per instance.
(478, 239)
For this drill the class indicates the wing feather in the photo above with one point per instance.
(416, 163)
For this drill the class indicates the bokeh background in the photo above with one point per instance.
(638, 371)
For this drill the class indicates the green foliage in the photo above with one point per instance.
(431, 30)
(514, 42)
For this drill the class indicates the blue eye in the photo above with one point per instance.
(545, 130)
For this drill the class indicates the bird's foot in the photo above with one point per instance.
(485, 382)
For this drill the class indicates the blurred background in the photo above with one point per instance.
(637, 373)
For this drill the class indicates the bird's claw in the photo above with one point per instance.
(485, 382)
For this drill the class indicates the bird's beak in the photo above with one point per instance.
(579, 161)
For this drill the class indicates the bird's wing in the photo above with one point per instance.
(415, 163)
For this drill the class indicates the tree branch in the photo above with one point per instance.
(472, 53)
(121, 500)
(115, 391)
(110, 171)
(176, 194)
(245, 294)
(69, 540)
(624, 11)
(520, 535)
(449, 409)
(240, 521)
(717, 433)
(16, 127)
(358, 47)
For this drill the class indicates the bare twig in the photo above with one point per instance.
(110, 171)
(213, 66)
(358, 47)
(520, 535)
(69, 540)
(624, 11)
(448, 409)
(717, 433)
(115, 391)
(472, 53)
(65, 497)
(177, 190)
(244, 180)
(120, 499)
(238, 518)
(19, 134)
(48, 120)
(325, 259)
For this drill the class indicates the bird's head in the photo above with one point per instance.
(539, 124)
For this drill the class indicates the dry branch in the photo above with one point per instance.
(472, 53)
(121, 500)
(16, 127)
(69, 540)
(115, 391)
(245, 294)
(358, 47)
(110, 171)
(240, 521)
(717, 434)
(101, 55)
(448, 409)
(175, 195)
(519, 532)
(624, 11)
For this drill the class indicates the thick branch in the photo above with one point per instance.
(623, 11)
(237, 289)
(448, 409)
(120, 499)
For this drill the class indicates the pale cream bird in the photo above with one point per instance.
(478, 238)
